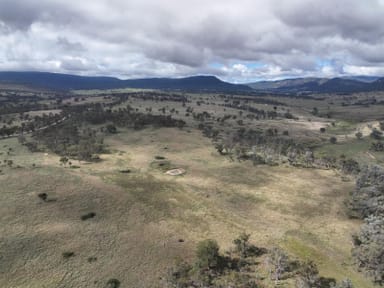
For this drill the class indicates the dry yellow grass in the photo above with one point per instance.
(141, 215)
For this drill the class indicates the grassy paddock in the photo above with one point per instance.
(141, 215)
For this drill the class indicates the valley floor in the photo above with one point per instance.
(146, 220)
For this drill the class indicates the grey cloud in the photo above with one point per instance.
(65, 44)
(179, 37)
(355, 19)
(21, 14)
(18, 15)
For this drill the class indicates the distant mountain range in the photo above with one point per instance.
(321, 85)
(66, 82)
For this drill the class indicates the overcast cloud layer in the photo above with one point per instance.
(239, 41)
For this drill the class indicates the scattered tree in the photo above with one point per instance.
(112, 283)
(242, 244)
(308, 276)
(68, 254)
(88, 216)
(43, 196)
(333, 140)
(207, 254)
(369, 248)
(278, 264)
(376, 134)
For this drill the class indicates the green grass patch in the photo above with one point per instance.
(300, 248)
(341, 127)
(355, 149)
(349, 149)
(306, 246)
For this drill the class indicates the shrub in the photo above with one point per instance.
(242, 244)
(207, 254)
(111, 129)
(308, 276)
(88, 216)
(376, 134)
(377, 146)
(350, 166)
(162, 165)
(278, 263)
(112, 283)
(180, 275)
(43, 196)
(92, 259)
(346, 283)
(68, 254)
(359, 135)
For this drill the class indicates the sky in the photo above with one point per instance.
(239, 41)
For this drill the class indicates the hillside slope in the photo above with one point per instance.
(57, 81)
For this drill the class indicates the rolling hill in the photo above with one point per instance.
(320, 85)
(67, 82)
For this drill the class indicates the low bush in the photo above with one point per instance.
(88, 216)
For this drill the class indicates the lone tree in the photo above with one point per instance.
(346, 283)
(278, 264)
(10, 163)
(64, 160)
(111, 129)
(308, 276)
(359, 135)
(333, 140)
(112, 283)
(376, 134)
(242, 244)
(207, 254)
(43, 196)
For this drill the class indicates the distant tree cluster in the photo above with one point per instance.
(24, 105)
(68, 133)
(30, 124)
(7, 131)
(67, 139)
(122, 117)
(260, 113)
